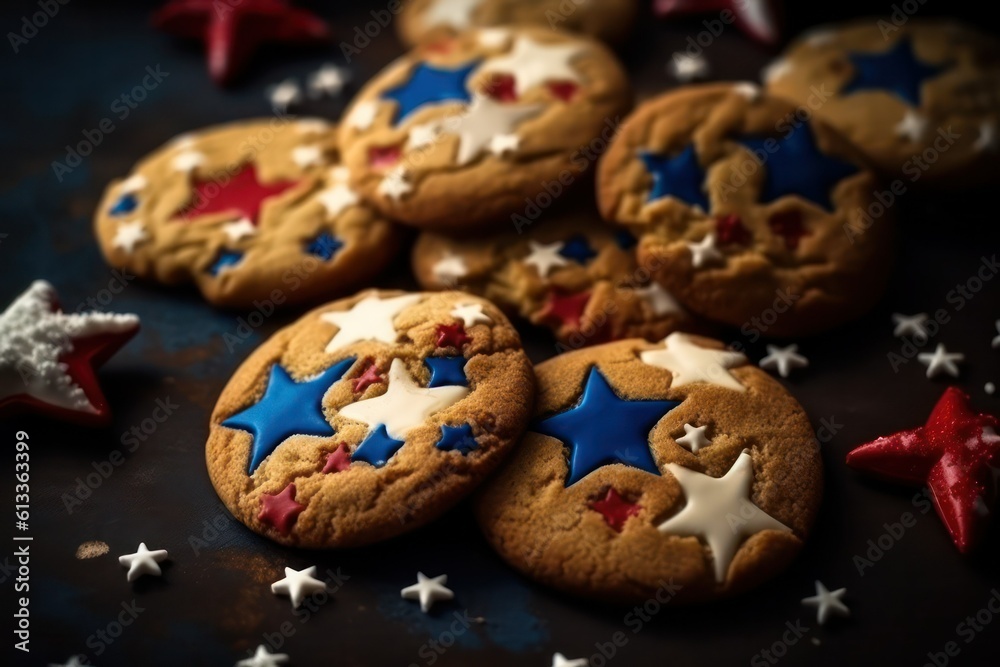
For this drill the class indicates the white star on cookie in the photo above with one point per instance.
(129, 235)
(504, 143)
(910, 325)
(493, 38)
(747, 89)
(394, 184)
(298, 585)
(362, 115)
(987, 139)
(688, 68)
(532, 63)
(133, 183)
(423, 135)
(449, 269)
(784, 359)
(941, 361)
(337, 198)
(913, 126)
(284, 94)
(470, 313)
(659, 299)
(187, 161)
(694, 438)
(456, 14)
(263, 658)
(307, 156)
(704, 251)
(428, 590)
(143, 562)
(776, 70)
(827, 602)
(559, 660)
(368, 319)
(328, 80)
(239, 229)
(690, 363)
(482, 121)
(545, 257)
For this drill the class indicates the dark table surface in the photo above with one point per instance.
(213, 603)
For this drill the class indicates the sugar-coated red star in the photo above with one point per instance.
(501, 88)
(383, 157)
(788, 225)
(233, 30)
(565, 307)
(615, 509)
(241, 194)
(760, 19)
(730, 229)
(338, 460)
(452, 335)
(367, 378)
(956, 454)
(280, 510)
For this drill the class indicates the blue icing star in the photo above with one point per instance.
(324, 246)
(431, 84)
(457, 438)
(377, 448)
(447, 371)
(603, 429)
(625, 239)
(125, 205)
(679, 176)
(578, 250)
(897, 70)
(287, 408)
(226, 259)
(793, 165)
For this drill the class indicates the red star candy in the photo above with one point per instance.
(565, 307)
(564, 90)
(452, 334)
(280, 510)
(730, 229)
(615, 509)
(338, 460)
(756, 18)
(501, 88)
(788, 225)
(383, 157)
(241, 194)
(956, 453)
(369, 377)
(232, 31)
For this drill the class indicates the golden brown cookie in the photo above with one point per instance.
(250, 211)
(429, 20)
(569, 271)
(921, 99)
(672, 469)
(475, 129)
(368, 417)
(749, 215)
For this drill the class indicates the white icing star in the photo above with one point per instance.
(284, 94)
(704, 252)
(719, 511)
(143, 562)
(784, 359)
(328, 80)
(747, 89)
(128, 235)
(450, 268)
(996, 341)
(298, 585)
(239, 229)
(312, 126)
(941, 361)
(362, 115)
(455, 14)
(532, 63)
(263, 658)
(428, 590)
(660, 300)
(470, 313)
(307, 156)
(394, 184)
(133, 183)
(545, 257)
(688, 68)
(911, 325)
(34, 337)
(187, 161)
(559, 660)
(987, 139)
(369, 319)
(689, 362)
(493, 38)
(694, 438)
(504, 143)
(912, 126)
(423, 135)
(74, 661)
(404, 405)
(827, 602)
(484, 120)
(776, 70)
(337, 198)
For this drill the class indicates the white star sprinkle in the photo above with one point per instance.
(688, 68)
(337, 199)
(694, 438)
(455, 14)
(74, 661)
(784, 359)
(493, 38)
(129, 235)
(660, 300)
(369, 319)
(482, 122)
(704, 252)
(298, 585)
(827, 602)
(449, 269)
(428, 590)
(987, 139)
(423, 135)
(307, 156)
(690, 363)
(133, 183)
(284, 94)
(559, 660)
(187, 161)
(362, 115)
(941, 361)
(533, 63)
(143, 562)
(747, 89)
(913, 126)
(263, 658)
(545, 257)
(394, 184)
(504, 143)
(328, 80)
(776, 70)
(240, 229)
(470, 313)
(911, 325)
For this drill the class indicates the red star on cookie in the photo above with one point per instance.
(338, 460)
(367, 378)
(730, 229)
(756, 18)
(452, 334)
(615, 509)
(501, 88)
(232, 31)
(956, 453)
(565, 307)
(280, 510)
(563, 90)
(788, 225)
(383, 157)
(242, 195)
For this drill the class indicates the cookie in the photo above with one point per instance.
(748, 214)
(475, 129)
(572, 273)
(429, 20)
(369, 417)
(672, 468)
(250, 211)
(922, 100)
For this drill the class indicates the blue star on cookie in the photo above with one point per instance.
(603, 429)
(226, 259)
(457, 439)
(794, 166)
(377, 447)
(677, 176)
(429, 84)
(324, 246)
(124, 205)
(447, 371)
(578, 250)
(287, 408)
(897, 70)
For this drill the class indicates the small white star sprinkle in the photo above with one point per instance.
(298, 585)
(470, 313)
(363, 115)
(827, 602)
(911, 325)
(240, 229)
(941, 361)
(129, 235)
(694, 438)
(704, 252)
(328, 80)
(449, 269)
(990, 388)
(187, 161)
(423, 135)
(987, 139)
(394, 185)
(284, 95)
(428, 590)
(912, 126)
(688, 68)
(143, 562)
(776, 70)
(784, 359)
(545, 257)
(338, 198)
(307, 156)
(133, 183)
(747, 89)
(659, 299)
(263, 658)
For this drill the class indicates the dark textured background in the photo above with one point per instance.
(213, 603)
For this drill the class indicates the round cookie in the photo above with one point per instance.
(572, 273)
(674, 465)
(429, 20)
(748, 214)
(369, 417)
(474, 129)
(921, 100)
(247, 211)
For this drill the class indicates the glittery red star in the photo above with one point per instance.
(756, 18)
(369, 377)
(452, 334)
(788, 225)
(383, 157)
(956, 453)
(730, 229)
(615, 509)
(565, 307)
(564, 90)
(501, 88)
(242, 195)
(338, 460)
(232, 31)
(280, 510)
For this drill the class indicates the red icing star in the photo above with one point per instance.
(452, 334)
(565, 307)
(501, 88)
(788, 225)
(383, 157)
(956, 453)
(232, 31)
(338, 460)
(615, 509)
(730, 229)
(564, 90)
(756, 18)
(369, 377)
(242, 195)
(280, 510)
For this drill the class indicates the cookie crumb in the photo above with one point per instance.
(91, 549)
